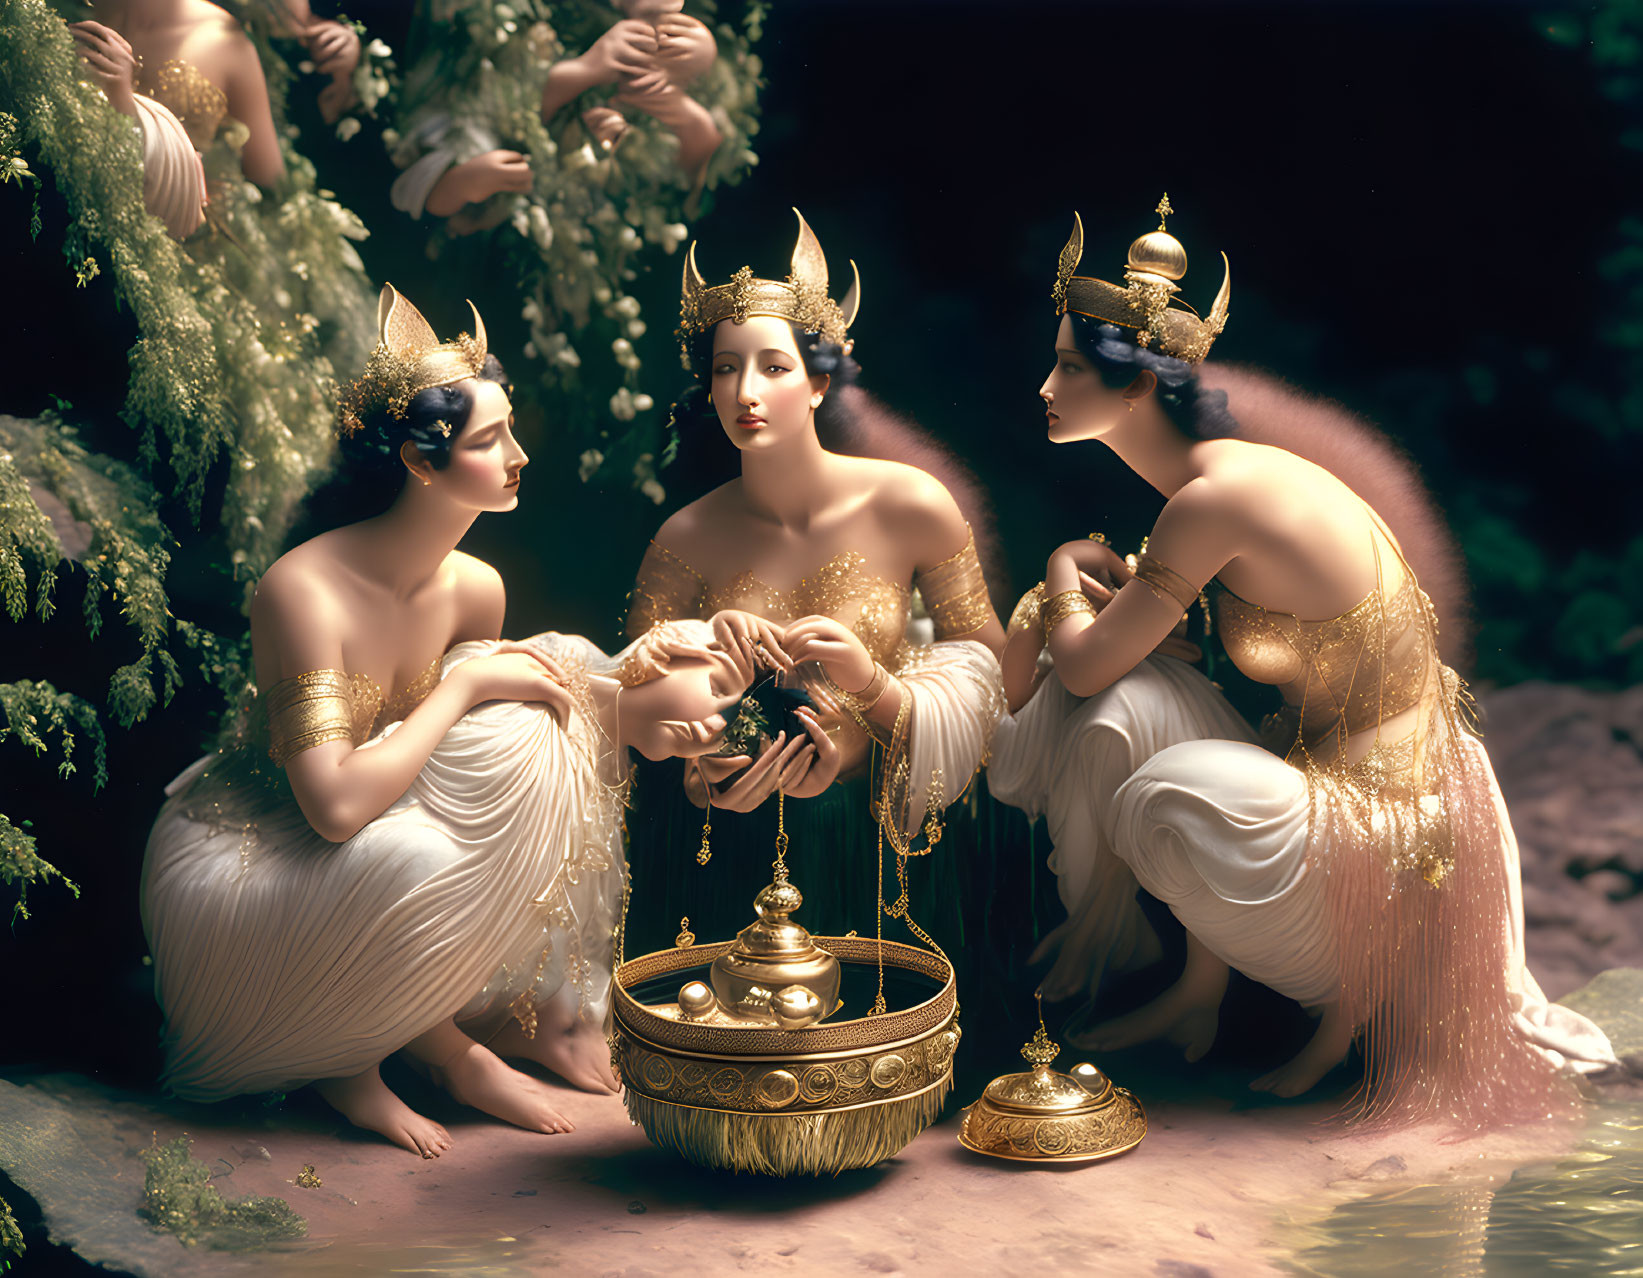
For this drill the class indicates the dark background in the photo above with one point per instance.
(1422, 204)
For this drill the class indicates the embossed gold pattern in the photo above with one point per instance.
(1046, 1116)
(310, 709)
(955, 593)
(802, 298)
(785, 1102)
(1146, 301)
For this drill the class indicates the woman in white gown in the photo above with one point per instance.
(1362, 862)
(415, 840)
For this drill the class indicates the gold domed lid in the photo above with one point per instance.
(1047, 1116)
(1042, 1090)
(773, 934)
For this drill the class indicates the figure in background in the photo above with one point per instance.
(1360, 859)
(414, 840)
(194, 58)
(173, 176)
(653, 55)
(828, 540)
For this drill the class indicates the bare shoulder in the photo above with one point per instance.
(298, 615)
(481, 599)
(916, 509)
(471, 574)
(690, 531)
(302, 578)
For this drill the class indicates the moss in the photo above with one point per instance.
(178, 1197)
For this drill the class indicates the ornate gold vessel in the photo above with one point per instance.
(1044, 1116)
(723, 1091)
(775, 971)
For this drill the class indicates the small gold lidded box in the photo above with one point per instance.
(1045, 1116)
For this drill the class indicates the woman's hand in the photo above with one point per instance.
(836, 647)
(475, 181)
(824, 767)
(334, 48)
(783, 765)
(685, 48)
(517, 672)
(111, 60)
(628, 48)
(1070, 562)
(751, 642)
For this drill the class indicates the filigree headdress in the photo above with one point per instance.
(408, 359)
(802, 297)
(1147, 301)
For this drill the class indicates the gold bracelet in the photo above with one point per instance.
(1026, 614)
(863, 702)
(1059, 607)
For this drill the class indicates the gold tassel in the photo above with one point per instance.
(822, 1144)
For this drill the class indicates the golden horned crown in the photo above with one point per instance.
(408, 360)
(802, 297)
(1147, 301)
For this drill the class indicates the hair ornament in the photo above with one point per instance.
(1146, 303)
(408, 360)
(801, 298)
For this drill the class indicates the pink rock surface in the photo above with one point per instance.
(1213, 1189)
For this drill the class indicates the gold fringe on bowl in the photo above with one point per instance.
(822, 1144)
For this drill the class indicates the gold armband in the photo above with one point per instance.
(1059, 607)
(955, 594)
(1026, 614)
(307, 711)
(1166, 583)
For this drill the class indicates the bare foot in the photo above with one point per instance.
(1326, 1049)
(571, 1047)
(477, 1076)
(365, 1101)
(1190, 1025)
(1188, 1013)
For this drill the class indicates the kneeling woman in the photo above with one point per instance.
(1362, 862)
(433, 861)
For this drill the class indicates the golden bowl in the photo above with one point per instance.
(722, 1092)
(1043, 1116)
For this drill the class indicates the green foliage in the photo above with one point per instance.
(178, 1197)
(1593, 598)
(240, 330)
(21, 867)
(11, 1236)
(594, 217)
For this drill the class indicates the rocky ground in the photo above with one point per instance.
(1224, 1184)
(1570, 763)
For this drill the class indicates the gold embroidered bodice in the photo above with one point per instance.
(310, 709)
(184, 89)
(874, 607)
(1340, 675)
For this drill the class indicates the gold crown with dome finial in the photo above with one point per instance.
(408, 359)
(1147, 301)
(801, 298)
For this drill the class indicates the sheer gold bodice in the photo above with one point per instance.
(1340, 675)
(184, 89)
(310, 709)
(873, 606)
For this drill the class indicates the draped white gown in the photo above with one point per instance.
(282, 958)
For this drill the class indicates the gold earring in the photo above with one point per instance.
(710, 397)
(704, 854)
(1131, 404)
